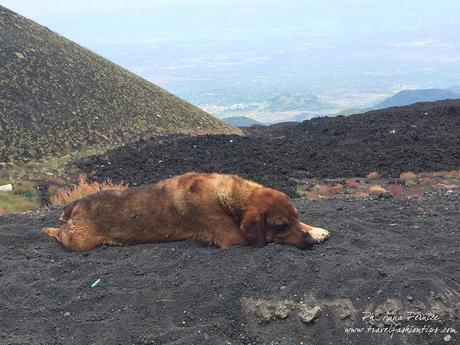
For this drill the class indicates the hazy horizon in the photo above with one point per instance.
(223, 54)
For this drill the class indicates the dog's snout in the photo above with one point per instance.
(308, 240)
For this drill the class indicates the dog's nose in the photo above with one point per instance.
(308, 240)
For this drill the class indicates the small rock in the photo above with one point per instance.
(6, 187)
(66, 314)
(447, 337)
(282, 312)
(410, 298)
(308, 315)
(345, 314)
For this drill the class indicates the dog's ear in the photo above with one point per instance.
(253, 227)
(277, 221)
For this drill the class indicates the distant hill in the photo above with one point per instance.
(57, 96)
(455, 89)
(407, 97)
(352, 111)
(241, 121)
(298, 103)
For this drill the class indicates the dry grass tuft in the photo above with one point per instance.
(312, 195)
(426, 181)
(361, 194)
(448, 186)
(326, 190)
(337, 188)
(407, 176)
(56, 180)
(373, 175)
(352, 183)
(82, 189)
(377, 189)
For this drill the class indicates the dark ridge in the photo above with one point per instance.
(420, 137)
(407, 97)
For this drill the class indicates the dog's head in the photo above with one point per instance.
(270, 216)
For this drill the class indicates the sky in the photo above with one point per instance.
(241, 51)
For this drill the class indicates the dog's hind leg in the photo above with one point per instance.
(53, 232)
(76, 235)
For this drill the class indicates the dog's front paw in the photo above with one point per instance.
(320, 235)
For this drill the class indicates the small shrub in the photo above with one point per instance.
(377, 189)
(373, 175)
(301, 190)
(323, 189)
(312, 195)
(337, 188)
(352, 183)
(407, 177)
(414, 192)
(26, 189)
(396, 190)
(361, 194)
(82, 189)
(426, 181)
(31, 164)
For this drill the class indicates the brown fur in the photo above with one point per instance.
(218, 209)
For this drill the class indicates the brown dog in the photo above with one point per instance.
(219, 209)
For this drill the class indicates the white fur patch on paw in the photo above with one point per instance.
(319, 234)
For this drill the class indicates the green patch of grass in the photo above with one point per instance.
(4, 181)
(27, 190)
(51, 165)
(15, 203)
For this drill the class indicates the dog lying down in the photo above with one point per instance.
(216, 209)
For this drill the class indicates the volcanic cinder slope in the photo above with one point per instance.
(419, 137)
(56, 95)
(384, 255)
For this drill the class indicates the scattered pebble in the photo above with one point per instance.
(308, 315)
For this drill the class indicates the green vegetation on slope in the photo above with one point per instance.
(57, 97)
(241, 121)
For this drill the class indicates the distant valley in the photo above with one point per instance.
(300, 107)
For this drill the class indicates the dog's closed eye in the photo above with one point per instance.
(279, 227)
